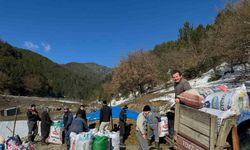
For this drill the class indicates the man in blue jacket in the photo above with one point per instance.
(79, 125)
(67, 120)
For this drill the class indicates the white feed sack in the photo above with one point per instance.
(234, 100)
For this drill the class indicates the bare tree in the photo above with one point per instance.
(134, 74)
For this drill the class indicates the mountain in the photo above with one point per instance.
(23, 72)
(91, 71)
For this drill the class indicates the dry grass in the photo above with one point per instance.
(24, 102)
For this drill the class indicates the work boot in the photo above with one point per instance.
(29, 137)
(122, 142)
(157, 146)
(149, 143)
(32, 138)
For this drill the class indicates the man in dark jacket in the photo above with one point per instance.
(122, 124)
(82, 111)
(33, 117)
(180, 85)
(45, 124)
(105, 115)
(79, 125)
(67, 120)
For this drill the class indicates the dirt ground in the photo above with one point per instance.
(63, 147)
(55, 107)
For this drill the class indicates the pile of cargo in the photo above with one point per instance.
(220, 101)
(94, 140)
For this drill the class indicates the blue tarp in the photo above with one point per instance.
(93, 116)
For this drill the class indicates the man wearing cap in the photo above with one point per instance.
(67, 120)
(33, 117)
(141, 132)
(122, 124)
(105, 115)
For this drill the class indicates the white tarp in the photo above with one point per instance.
(21, 128)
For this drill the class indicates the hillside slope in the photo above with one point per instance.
(23, 72)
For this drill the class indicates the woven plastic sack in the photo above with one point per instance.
(100, 143)
(56, 131)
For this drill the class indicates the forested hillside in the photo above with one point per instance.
(196, 50)
(24, 72)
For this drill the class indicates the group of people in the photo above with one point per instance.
(75, 124)
(152, 118)
(33, 117)
(71, 124)
(79, 124)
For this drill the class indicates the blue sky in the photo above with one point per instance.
(100, 31)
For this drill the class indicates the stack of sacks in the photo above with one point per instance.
(218, 97)
(94, 140)
(226, 104)
(195, 97)
(81, 141)
(113, 139)
(235, 100)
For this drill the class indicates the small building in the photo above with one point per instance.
(10, 111)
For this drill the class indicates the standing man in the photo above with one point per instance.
(141, 128)
(105, 115)
(33, 117)
(67, 120)
(122, 124)
(180, 85)
(45, 124)
(153, 121)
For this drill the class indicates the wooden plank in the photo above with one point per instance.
(185, 144)
(195, 125)
(235, 138)
(195, 114)
(225, 128)
(177, 117)
(195, 136)
(213, 132)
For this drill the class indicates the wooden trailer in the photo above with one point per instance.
(196, 130)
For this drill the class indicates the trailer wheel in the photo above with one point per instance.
(244, 135)
(244, 139)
